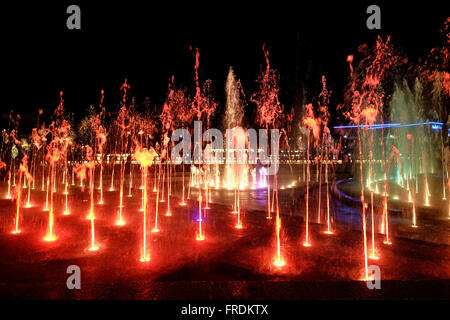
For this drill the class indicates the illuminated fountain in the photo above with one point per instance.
(369, 114)
(100, 136)
(23, 172)
(147, 139)
(323, 101)
(328, 142)
(65, 148)
(234, 113)
(313, 124)
(145, 159)
(161, 159)
(113, 161)
(60, 132)
(53, 156)
(269, 107)
(66, 195)
(81, 170)
(8, 195)
(124, 121)
(356, 117)
(279, 260)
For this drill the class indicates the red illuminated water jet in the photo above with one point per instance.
(145, 158)
(313, 125)
(23, 172)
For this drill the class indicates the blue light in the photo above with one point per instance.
(374, 126)
(434, 125)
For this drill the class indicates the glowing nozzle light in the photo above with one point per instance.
(200, 237)
(49, 238)
(279, 263)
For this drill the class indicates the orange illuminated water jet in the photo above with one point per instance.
(46, 207)
(23, 172)
(279, 260)
(81, 173)
(269, 216)
(100, 134)
(28, 204)
(373, 255)
(91, 166)
(111, 188)
(200, 235)
(53, 155)
(328, 231)
(370, 114)
(356, 113)
(414, 222)
(168, 212)
(306, 243)
(182, 203)
(145, 159)
(312, 124)
(8, 196)
(156, 229)
(427, 192)
(66, 211)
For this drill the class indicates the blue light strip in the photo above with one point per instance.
(374, 126)
(434, 125)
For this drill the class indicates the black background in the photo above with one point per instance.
(148, 41)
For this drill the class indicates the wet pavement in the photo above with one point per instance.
(230, 264)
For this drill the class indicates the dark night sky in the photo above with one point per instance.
(147, 44)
